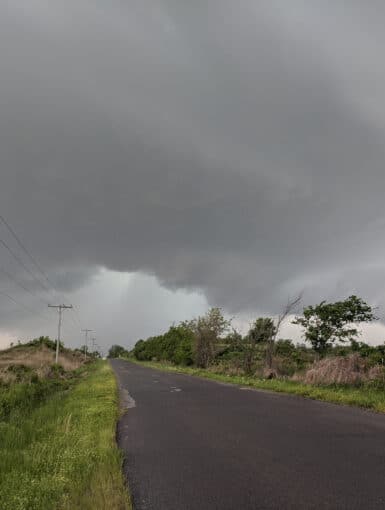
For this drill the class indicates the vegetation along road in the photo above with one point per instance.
(195, 444)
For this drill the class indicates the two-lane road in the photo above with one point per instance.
(192, 444)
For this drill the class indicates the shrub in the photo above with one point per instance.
(44, 340)
(349, 370)
(176, 345)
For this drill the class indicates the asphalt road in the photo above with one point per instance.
(192, 444)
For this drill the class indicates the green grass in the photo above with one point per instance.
(365, 396)
(16, 400)
(62, 454)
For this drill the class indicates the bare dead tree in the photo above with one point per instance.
(289, 308)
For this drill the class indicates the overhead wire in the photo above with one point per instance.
(26, 268)
(19, 303)
(25, 307)
(12, 278)
(25, 250)
(21, 263)
(43, 285)
(34, 262)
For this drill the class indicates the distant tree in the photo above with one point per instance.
(234, 340)
(85, 349)
(261, 331)
(327, 323)
(176, 346)
(116, 351)
(207, 331)
(284, 347)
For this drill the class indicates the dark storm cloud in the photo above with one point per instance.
(231, 147)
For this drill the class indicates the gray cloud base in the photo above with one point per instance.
(235, 149)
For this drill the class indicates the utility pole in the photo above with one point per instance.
(93, 344)
(86, 331)
(60, 309)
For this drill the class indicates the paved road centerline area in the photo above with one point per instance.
(194, 444)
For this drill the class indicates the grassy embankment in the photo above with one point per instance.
(57, 443)
(365, 396)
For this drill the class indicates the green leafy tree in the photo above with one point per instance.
(207, 331)
(176, 345)
(234, 341)
(140, 350)
(284, 347)
(183, 345)
(116, 351)
(327, 323)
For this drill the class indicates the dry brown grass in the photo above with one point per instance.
(39, 358)
(351, 370)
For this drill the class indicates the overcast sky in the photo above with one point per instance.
(161, 156)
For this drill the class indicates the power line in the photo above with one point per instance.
(35, 263)
(37, 278)
(19, 303)
(77, 315)
(45, 317)
(22, 305)
(26, 269)
(12, 278)
(25, 250)
(18, 259)
(17, 282)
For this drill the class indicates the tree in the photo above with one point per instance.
(140, 350)
(176, 345)
(327, 323)
(234, 340)
(207, 332)
(116, 351)
(261, 331)
(183, 340)
(289, 308)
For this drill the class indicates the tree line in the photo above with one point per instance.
(205, 339)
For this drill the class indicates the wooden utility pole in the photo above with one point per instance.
(60, 309)
(86, 331)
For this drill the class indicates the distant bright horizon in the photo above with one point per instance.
(154, 309)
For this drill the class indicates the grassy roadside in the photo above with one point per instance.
(364, 396)
(62, 454)
(17, 400)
